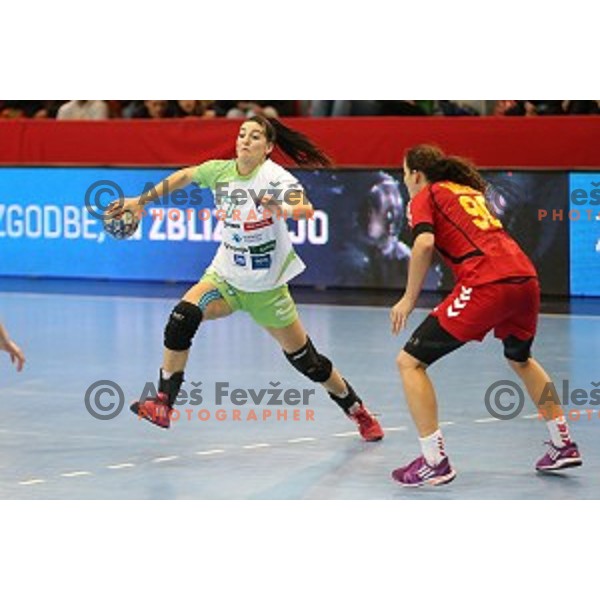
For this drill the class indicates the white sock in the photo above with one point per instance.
(166, 374)
(432, 447)
(559, 432)
(356, 406)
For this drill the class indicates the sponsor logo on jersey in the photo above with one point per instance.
(235, 248)
(263, 248)
(232, 225)
(258, 224)
(254, 237)
(262, 261)
(240, 260)
(237, 238)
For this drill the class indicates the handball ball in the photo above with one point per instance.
(123, 227)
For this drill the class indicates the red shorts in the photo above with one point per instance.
(509, 307)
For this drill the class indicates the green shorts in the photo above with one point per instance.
(272, 308)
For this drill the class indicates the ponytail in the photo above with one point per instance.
(292, 143)
(457, 170)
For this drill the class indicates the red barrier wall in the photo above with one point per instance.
(501, 142)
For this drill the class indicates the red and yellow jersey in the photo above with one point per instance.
(470, 239)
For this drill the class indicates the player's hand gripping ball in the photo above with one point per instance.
(122, 227)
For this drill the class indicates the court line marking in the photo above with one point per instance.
(215, 451)
(161, 459)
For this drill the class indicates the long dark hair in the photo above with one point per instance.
(436, 166)
(293, 143)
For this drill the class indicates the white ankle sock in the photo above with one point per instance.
(432, 447)
(559, 432)
(356, 406)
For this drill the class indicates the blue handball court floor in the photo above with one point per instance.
(51, 447)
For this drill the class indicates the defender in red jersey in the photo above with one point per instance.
(496, 290)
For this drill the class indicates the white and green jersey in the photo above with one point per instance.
(256, 252)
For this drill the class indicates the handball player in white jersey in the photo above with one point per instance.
(252, 266)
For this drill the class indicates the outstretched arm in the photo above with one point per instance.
(136, 205)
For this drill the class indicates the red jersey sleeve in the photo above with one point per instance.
(420, 213)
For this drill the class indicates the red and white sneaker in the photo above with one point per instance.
(156, 410)
(368, 426)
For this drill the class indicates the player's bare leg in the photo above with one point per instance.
(301, 353)
(562, 452)
(201, 302)
(419, 393)
(432, 467)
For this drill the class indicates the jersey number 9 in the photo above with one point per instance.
(476, 207)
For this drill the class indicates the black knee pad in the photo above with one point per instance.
(310, 363)
(516, 349)
(182, 326)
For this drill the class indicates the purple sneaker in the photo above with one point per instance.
(559, 458)
(419, 472)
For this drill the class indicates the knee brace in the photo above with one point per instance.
(182, 326)
(516, 349)
(310, 363)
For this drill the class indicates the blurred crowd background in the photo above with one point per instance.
(237, 109)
